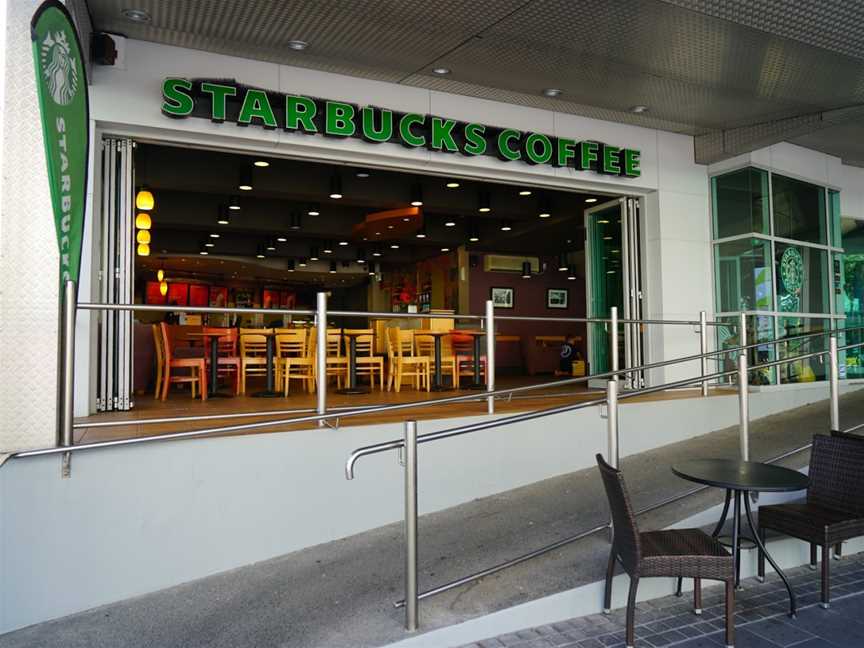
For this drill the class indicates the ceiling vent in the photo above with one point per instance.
(507, 263)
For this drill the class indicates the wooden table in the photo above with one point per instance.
(352, 387)
(437, 383)
(213, 387)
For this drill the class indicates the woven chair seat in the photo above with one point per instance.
(811, 522)
(687, 553)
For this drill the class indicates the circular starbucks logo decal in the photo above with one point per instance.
(59, 69)
(792, 270)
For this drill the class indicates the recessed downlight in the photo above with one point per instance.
(452, 185)
(441, 71)
(136, 15)
(552, 92)
(261, 163)
(297, 45)
(639, 109)
(590, 200)
(524, 192)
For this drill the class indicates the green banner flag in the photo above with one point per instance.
(61, 83)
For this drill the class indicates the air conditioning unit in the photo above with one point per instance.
(508, 263)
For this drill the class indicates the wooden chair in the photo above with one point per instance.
(463, 349)
(253, 354)
(228, 360)
(404, 363)
(197, 375)
(367, 363)
(294, 358)
(159, 348)
(337, 364)
(425, 345)
(834, 508)
(687, 553)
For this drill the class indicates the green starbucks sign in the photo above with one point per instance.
(224, 101)
(61, 84)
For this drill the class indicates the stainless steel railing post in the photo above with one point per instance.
(321, 354)
(742, 329)
(703, 349)
(66, 379)
(490, 354)
(411, 600)
(834, 383)
(612, 422)
(613, 340)
(743, 408)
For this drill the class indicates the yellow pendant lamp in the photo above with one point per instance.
(163, 287)
(160, 275)
(144, 199)
(143, 236)
(143, 221)
(143, 249)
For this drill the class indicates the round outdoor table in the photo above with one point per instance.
(352, 387)
(739, 478)
(477, 336)
(437, 382)
(270, 391)
(213, 387)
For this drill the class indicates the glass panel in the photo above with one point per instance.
(834, 217)
(810, 369)
(606, 276)
(760, 328)
(799, 210)
(802, 284)
(852, 292)
(743, 275)
(740, 203)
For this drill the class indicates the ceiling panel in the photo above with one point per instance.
(700, 65)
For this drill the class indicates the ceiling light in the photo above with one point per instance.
(473, 234)
(260, 254)
(313, 254)
(234, 203)
(144, 199)
(314, 210)
(336, 186)
(639, 109)
(389, 227)
(450, 223)
(545, 210)
(452, 185)
(143, 249)
(271, 245)
(607, 238)
(524, 192)
(421, 233)
(590, 200)
(544, 214)
(301, 262)
(296, 221)
(222, 217)
(526, 269)
(244, 182)
(328, 249)
(376, 253)
(552, 92)
(343, 243)
(281, 239)
(332, 267)
(214, 235)
(143, 221)
(417, 196)
(441, 71)
(297, 45)
(203, 252)
(445, 249)
(602, 221)
(484, 204)
(361, 256)
(261, 163)
(362, 173)
(290, 265)
(394, 246)
(209, 244)
(136, 15)
(506, 226)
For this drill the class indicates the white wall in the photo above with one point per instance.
(132, 520)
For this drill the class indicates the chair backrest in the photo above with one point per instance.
(424, 344)
(226, 343)
(462, 344)
(290, 343)
(391, 340)
(404, 342)
(253, 342)
(158, 344)
(168, 334)
(626, 532)
(364, 342)
(334, 343)
(837, 474)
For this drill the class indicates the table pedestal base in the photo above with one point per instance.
(476, 386)
(440, 388)
(266, 394)
(353, 390)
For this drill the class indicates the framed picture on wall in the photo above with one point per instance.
(557, 297)
(502, 297)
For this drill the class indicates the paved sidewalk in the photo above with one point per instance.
(761, 618)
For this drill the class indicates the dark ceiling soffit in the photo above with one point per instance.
(720, 145)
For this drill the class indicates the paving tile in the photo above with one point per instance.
(780, 631)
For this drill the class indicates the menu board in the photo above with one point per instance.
(152, 295)
(178, 293)
(199, 295)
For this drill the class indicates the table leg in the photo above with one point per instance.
(477, 384)
(793, 606)
(736, 538)
(723, 515)
(214, 369)
(437, 384)
(269, 392)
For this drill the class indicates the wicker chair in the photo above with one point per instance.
(683, 553)
(834, 508)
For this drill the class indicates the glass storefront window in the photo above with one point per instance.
(760, 328)
(799, 210)
(740, 203)
(802, 284)
(808, 369)
(851, 299)
(743, 275)
(834, 217)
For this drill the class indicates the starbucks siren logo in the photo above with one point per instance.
(59, 68)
